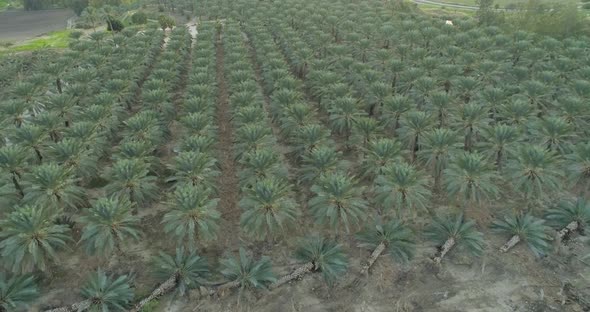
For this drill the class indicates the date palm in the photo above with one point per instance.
(260, 164)
(30, 240)
(17, 292)
(129, 178)
(193, 168)
(454, 231)
(403, 187)
(394, 108)
(366, 129)
(525, 228)
(535, 171)
(499, 142)
(378, 155)
(107, 293)
(338, 201)
(245, 272)
(13, 164)
(319, 162)
(438, 146)
(413, 126)
(108, 224)
(393, 235)
(308, 137)
(470, 177)
(344, 112)
(555, 133)
(569, 216)
(187, 269)
(269, 208)
(73, 154)
(193, 213)
(471, 118)
(142, 151)
(252, 137)
(52, 186)
(578, 165)
(31, 137)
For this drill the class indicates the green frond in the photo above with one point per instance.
(326, 255)
(530, 229)
(107, 293)
(397, 237)
(190, 269)
(248, 272)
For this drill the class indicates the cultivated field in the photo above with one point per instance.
(21, 25)
(298, 156)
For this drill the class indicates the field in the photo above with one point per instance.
(21, 25)
(297, 155)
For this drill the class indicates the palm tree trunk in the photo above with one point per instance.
(163, 289)
(78, 306)
(297, 274)
(510, 243)
(227, 286)
(444, 250)
(374, 255)
(17, 185)
(570, 228)
(58, 84)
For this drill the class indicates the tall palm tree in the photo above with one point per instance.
(109, 224)
(535, 171)
(30, 240)
(192, 214)
(471, 178)
(526, 228)
(404, 187)
(393, 235)
(105, 293)
(52, 186)
(268, 208)
(129, 178)
(17, 291)
(454, 231)
(338, 201)
(13, 164)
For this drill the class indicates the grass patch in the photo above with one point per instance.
(56, 40)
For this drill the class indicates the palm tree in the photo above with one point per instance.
(402, 186)
(108, 225)
(366, 129)
(268, 208)
(52, 186)
(17, 291)
(308, 137)
(31, 137)
(569, 216)
(555, 133)
(193, 168)
(104, 293)
(578, 165)
(318, 255)
(393, 109)
(394, 235)
(73, 154)
(244, 272)
(438, 146)
(413, 126)
(252, 137)
(338, 201)
(260, 164)
(525, 228)
(192, 213)
(344, 112)
(499, 142)
(380, 154)
(471, 177)
(472, 118)
(13, 163)
(188, 269)
(454, 231)
(535, 171)
(129, 178)
(319, 162)
(29, 239)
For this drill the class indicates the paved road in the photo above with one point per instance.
(21, 25)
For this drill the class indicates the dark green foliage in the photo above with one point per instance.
(397, 237)
(114, 24)
(568, 211)
(326, 255)
(17, 292)
(107, 293)
(190, 269)
(530, 229)
(463, 231)
(139, 18)
(247, 272)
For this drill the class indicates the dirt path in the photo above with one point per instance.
(228, 184)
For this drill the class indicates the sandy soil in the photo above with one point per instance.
(21, 25)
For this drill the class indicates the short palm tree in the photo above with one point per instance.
(30, 240)
(526, 228)
(193, 168)
(130, 178)
(252, 137)
(318, 255)
(438, 146)
(245, 272)
(108, 224)
(499, 142)
(555, 133)
(569, 216)
(394, 108)
(319, 162)
(535, 171)
(403, 187)
(73, 154)
(13, 164)
(378, 155)
(365, 130)
(193, 213)
(269, 208)
(260, 164)
(187, 269)
(471, 178)
(53, 186)
(344, 112)
(578, 165)
(472, 118)
(105, 293)
(309, 137)
(393, 235)
(454, 231)
(338, 201)
(17, 292)
(413, 126)
(31, 137)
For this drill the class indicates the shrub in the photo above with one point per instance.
(114, 24)
(139, 18)
(76, 34)
(166, 22)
